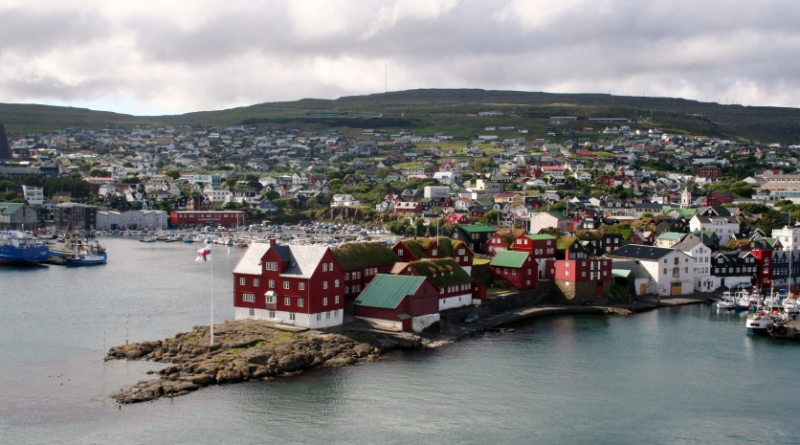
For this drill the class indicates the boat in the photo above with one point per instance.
(790, 306)
(86, 259)
(17, 248)
(742, 301)
(148, 239)
(726, 302)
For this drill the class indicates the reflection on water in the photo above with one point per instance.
(666, 376)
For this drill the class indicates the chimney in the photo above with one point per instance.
(272, 241)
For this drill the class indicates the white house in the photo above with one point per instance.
(788, 236)
(693, 246)
(724, 226)
(546, 220)
(445, 178)
(436, 192)
(344, 201)
(671, 271)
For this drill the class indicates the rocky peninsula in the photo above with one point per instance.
(247, 350)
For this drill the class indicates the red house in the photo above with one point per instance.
(718, 198)
(583, 278)
(541, 247)
(298, 285)
(398, 303)
(224, 218)
(361, 263)
(457, 218)
(442, 247)
(498, 243)
(408, 208)
(709, 172)
(517, 269)
(455, 286)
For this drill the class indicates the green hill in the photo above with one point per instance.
(452, 112)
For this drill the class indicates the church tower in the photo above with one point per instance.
(686, 199)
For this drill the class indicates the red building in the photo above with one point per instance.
(709, 172)
(408, 208)
(298, 285)
(583, 278)
(399, 303)
(442, 247)
(516, 269)
(498, 243)
(361, 262)
(457, 218)
(718, 198)
(542, 248)
(224, 218)
(456, 287)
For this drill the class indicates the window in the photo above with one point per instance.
(400, 252)
(529, 271)
(461, 251)
(434, 252)
(270, 299)
(330, 266)
(272, 266)
(249, 298)
(665, 271)
(335, 314)
(252, 312)
(256, 282)
(287, 301)
(285, 284)
(271, 314)
(324, 267)
(347, 289)
(327, 315)
(301, 302)
(272, 284)
(336, 283)
(324, 284)
(319, 317)
(301, 285)
(291, 317)
(242, 281)
(324, 301)
(346, 276)
(513, 271)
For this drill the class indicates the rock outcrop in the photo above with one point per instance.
(243, 351)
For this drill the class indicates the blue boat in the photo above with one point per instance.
(86, 259)
(17, 248)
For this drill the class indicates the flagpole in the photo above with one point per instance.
(212, 301)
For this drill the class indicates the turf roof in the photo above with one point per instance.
(446, 271)
(355, 256)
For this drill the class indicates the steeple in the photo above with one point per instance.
(686, 198)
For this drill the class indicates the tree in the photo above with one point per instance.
(100, 173)
(492, 216)
(174, 174)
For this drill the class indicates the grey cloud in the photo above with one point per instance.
(32, 32)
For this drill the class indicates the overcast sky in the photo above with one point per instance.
(166, 57)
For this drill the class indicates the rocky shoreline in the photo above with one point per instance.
(245, 351)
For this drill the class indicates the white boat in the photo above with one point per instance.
(759, 322)
(742, 301)
(726, 303)
(790, 306)
(149, 239)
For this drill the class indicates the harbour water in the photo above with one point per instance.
(679, 375)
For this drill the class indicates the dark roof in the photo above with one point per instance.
(640, 252)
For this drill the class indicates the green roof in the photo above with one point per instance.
(610, 230)
(540, 237)
(620, 273)
(7, 208)
(475, 228)
(671, 235)
(507, 258)
(355, 256)
(387, 291)
(442, 267)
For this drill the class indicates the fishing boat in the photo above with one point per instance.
(742, 301)
(17, 248)
(790, 306)
(87, 259)
(148, 239)
(726, 302)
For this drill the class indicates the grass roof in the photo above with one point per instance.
(418, 246)
(355, 256)
(565, 242)
(610, 230)
(441, 271)
(588, 235)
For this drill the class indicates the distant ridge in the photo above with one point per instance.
(418, 109)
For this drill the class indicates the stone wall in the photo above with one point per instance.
(568, 292)
(501, 303)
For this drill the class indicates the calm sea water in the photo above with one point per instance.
(683, 375)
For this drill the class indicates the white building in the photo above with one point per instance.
(547, 220)
(724, 226)
(33, 195)
(671, 271)
(435, 192)
(344, 201)
(445, 178)
(693, 246)
(788, 237)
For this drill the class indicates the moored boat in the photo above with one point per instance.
(86, 259)
(17, 248)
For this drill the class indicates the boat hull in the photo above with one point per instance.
(93, 260)
(23, 255)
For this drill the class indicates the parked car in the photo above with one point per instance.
(472, 318)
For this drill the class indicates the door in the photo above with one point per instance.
(642, 288)
(676, 289)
